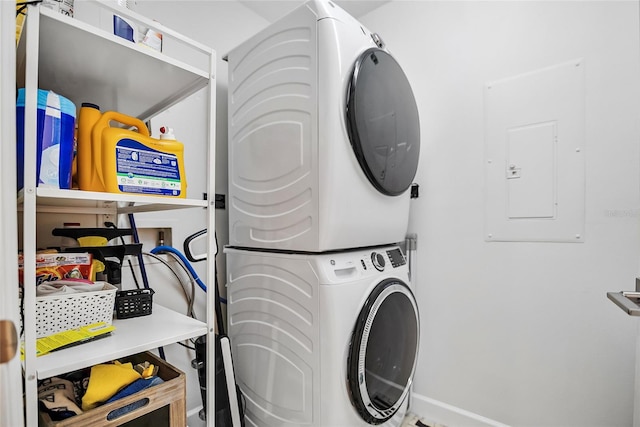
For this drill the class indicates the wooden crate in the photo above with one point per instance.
(171, 392)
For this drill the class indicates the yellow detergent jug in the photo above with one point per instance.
(127, 161)
(88, 115)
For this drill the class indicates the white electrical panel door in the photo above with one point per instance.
(531, 178)
(534, 166)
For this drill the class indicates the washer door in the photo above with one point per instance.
(383, 351)
(382, 122)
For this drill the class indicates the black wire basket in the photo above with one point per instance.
(134, 303)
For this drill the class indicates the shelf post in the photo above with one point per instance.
(29, 215)
(10, 367)
(211, 246)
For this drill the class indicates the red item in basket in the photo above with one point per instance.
(57, 266)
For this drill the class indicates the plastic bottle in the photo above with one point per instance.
(103, 141)
(87, 118)
(133, 162)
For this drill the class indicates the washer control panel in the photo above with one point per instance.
(380, 260)
(396, 258)
(377, 259)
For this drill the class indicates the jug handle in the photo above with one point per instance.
(102, 123)
(126, 120)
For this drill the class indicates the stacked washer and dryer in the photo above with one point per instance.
(323, 148)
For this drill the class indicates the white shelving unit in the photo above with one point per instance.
(88, 64)
(162, 327)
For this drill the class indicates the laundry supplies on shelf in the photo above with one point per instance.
(57, 312)
(117, 76)
(55, 139)
(119, 160)
(57, 266)
(67, 297)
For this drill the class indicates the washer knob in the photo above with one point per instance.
(377, 260)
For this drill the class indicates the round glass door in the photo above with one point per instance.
(382, 122)
(383, 351)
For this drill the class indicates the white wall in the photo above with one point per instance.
(521, 333)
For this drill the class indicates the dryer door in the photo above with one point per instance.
(383, 351)
(382, 122)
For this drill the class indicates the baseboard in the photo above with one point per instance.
(193, 418)
(440, 413)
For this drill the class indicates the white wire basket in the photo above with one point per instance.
(56, 313)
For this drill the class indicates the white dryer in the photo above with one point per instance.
(324, 136)
(322, 340)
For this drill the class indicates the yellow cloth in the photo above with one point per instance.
(105, 381)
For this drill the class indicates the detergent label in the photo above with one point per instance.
(141, 169)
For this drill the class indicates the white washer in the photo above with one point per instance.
(322, 340)
(324, 136)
